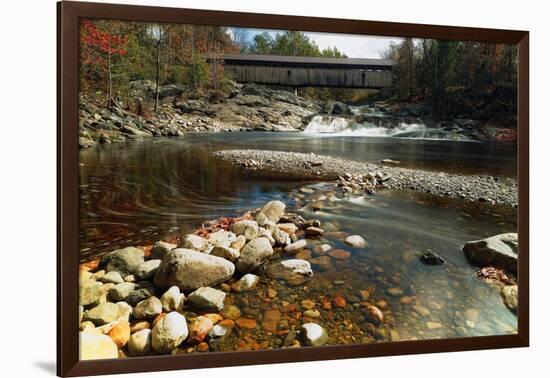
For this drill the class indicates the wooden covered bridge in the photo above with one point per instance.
(298, 71)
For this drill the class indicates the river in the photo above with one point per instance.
(141, 192)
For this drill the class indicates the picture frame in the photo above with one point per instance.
(68, 16)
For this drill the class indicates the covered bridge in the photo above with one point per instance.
(299, 71)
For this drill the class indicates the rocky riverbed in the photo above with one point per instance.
(268, 279)
(354, 176)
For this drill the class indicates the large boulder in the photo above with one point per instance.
(189, 270)
(102, 314)
(500, 251)
(125, 260)
(169, 332)
(95, 346)
(90, 292)
(248, 228)
(207, 298)
(254, 254)
(272, 211)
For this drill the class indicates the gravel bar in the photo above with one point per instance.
(309, 167)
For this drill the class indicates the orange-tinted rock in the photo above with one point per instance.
(339, 254)
(138, 325)
(271, 320)
(326, 305)
(246, 323)
(364, 294)
(271, 293)
(214, 317)
(202, 347)
(406, 300)
(339, 301)
(120, 333)
(227, 323)
(199, 328)
(304, 254)
(291, 307)
(307, 304)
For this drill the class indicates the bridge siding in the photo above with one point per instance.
(311, 77)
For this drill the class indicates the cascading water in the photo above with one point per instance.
(381, 127)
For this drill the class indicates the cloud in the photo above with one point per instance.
(354, 46)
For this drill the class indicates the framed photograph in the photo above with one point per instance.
(238, 188)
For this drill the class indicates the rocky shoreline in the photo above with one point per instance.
(246, 284)
(353, 176)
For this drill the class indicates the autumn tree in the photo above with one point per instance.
(100, 48)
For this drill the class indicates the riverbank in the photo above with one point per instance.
(368, 177)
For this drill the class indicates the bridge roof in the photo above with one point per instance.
(293, 61)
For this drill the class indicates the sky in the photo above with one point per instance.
(354, 46)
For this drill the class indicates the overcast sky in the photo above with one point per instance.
(354, 46)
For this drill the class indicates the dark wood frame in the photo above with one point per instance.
(68, 14)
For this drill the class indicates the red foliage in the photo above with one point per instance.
(102, 41)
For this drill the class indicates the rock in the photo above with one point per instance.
(339, 254)
(339, 301)
(293, 248)
(322, 249)
(214, 317)
(273, 210)
(289, 228)
(126, 260)
(111, 277)
(138, 325)
(95, 346)
(90, 293)
(122, 290)
(207, 298)
(254, 254)
(246, 323)
(227, 253)
(395, 291)
(148, 308)
(313, 334)
(190, 270)
(390, 162)
(147, 269)
(314, 232)
(102, 314)
(196, 243)
(139, 343)
(124, 311)
(160, 249)
(374, 315)
(500, 251)
(172, 299)
(169, 332)
(222, 238)
(356, 241)
(314, 314)
(431, 258)
(304, 254)
(510, 297)
(270, 320)
(120, 333)
(139, 295)
(338, 108)
(472, 314)
(238, 243)
(307, 304)
(433, 325)
(262, 219)
(280, 236)
(321, 263)
(294, 271)
(231, 312)
(218, 332)
(422, 311)
(248, 228)
(246, 283)
(199, 329)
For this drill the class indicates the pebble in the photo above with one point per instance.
(356, 241)
(246, 323)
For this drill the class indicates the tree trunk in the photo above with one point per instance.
(110, 89)
(157, 81)
(193, 56)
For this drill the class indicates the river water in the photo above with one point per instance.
(141, 192)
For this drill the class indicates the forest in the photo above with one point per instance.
(446, 78)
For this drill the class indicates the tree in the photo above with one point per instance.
(241, 38)
(262, 43)
(159, 33)
(100, 49)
